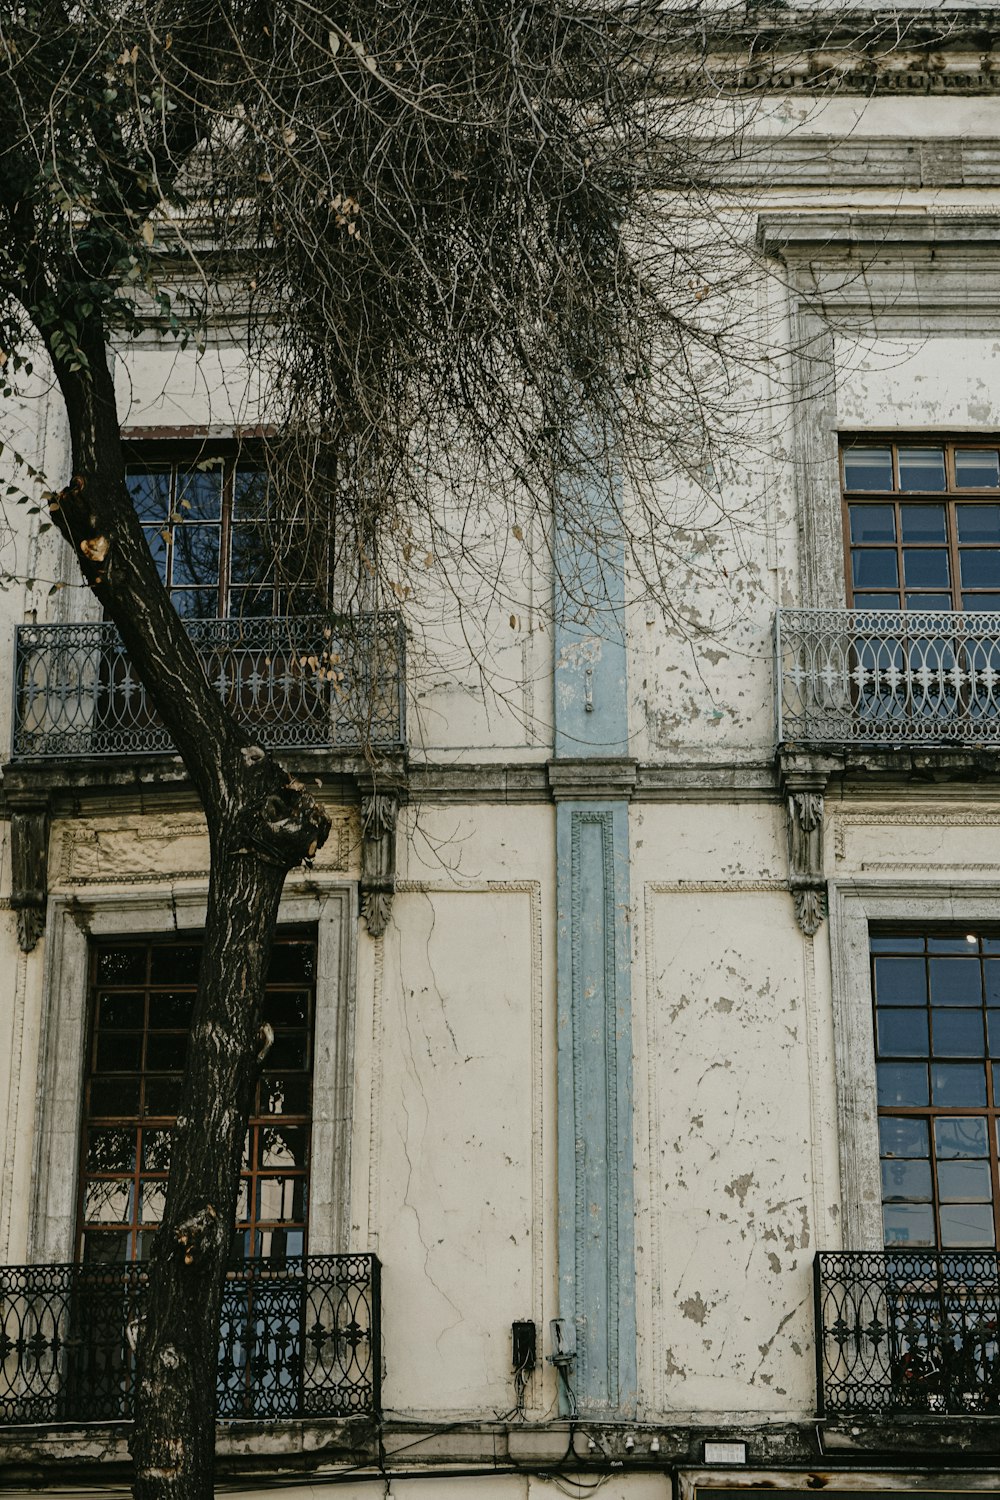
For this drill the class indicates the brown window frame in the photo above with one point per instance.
(950, 498)
(253, 1228)
(288, 595)
(988, 1060)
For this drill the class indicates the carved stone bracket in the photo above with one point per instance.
(379, 817)
(805, 854)
(29, 859)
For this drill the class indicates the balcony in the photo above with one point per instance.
(297, 1339)
(320, 682)
(904, 1333)
(890, 678)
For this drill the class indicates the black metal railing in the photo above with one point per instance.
(323, 681)
(297, 1338)
(908, 1332)
(887, 677)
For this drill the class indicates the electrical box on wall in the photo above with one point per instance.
(523, 1342)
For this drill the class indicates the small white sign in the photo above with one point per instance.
(725, 1453)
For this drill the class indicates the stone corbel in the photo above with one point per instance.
(29, 860)
(806, 878)
(379, 817)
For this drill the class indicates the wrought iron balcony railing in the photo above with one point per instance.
(887, 677)
(297, 1338)
(908, 1332)
(334, 681)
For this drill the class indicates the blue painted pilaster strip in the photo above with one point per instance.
(596, 1208)
(591, 707)
(596, 1213)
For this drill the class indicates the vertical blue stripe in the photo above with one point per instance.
(596, 1203)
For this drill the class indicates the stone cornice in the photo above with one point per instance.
(860, 51)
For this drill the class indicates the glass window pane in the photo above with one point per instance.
(921, 469)
(280, 1244)
(958, 945)
(961, 1136)
(910, 1224)
(970, 1225)
(958, 1033)
(962, 1181)
(105, 1249)
(166, 1052)
(900, 981)
(152, 1199)
(980, 567)
(283, 1146)
(195, 556)
(872, 523)
(292, 963)
(156, 541)
(108, 1201)
(874, 569)
(976, 469)
(901, 1135)
(978, 523)
(937, 602)
(249, 493)
(903, 1033)
(284, 1094)
(121, 966)
(957, 1085)
(910, 1181)
(171, 1010)
(868, 469)
(902, 1084)
(199, 494)
(150, 493)
(982, 602)
(993, 1032)
(280, 1198)
(163, 1096)
(119, 1052)
(252, 556)
(923, 523)
(955, 981)
(156, 1150)
(894, 943)
(927, 568)
(110, 1150)
(176, 963)
(195, 604)
(121, 1012)
(113, 1096)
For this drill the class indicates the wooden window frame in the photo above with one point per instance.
(930, 1112)
(950, 498)
(256, 1172)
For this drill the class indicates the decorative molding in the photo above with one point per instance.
(29, 861)
(805, 856)
(592, 778)
(842, 820)
(13, 1134)
(379, 817)
(375, 1115)
(713, 887)
(832, 162)
(131, 851)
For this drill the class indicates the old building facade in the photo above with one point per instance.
(634, 1113)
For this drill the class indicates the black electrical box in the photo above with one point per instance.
(522, 1340)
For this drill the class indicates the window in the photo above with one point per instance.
(142, 997)
(937, 1036)
(922, 525)
(210, 526)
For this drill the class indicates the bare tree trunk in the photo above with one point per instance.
(261, 824)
